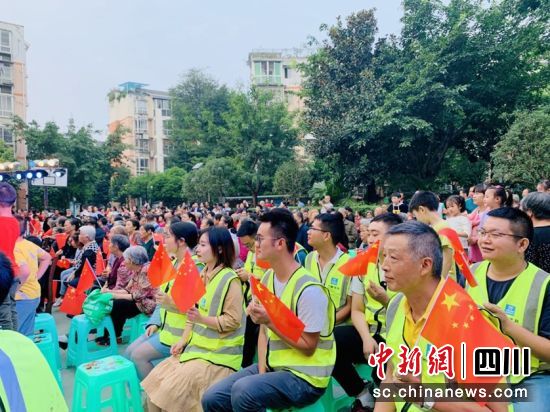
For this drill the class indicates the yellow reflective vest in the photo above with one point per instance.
(208, 344)
(375, 314)
(173, 323)
(336, 283)
(522, 302)
(315, 369)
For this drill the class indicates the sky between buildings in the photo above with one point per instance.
(80, 49)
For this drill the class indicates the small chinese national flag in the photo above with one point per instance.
(455, 319)
(61, 240)
(99, 263)
(459, 254)
(358, 265)
(72, 302)
(188, 287)
(87, 278)
(282, 317)
(161, 269)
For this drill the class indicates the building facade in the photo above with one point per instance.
(277, 71)
(13, 85)
(145, 114)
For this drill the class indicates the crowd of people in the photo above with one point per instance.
(226, 353)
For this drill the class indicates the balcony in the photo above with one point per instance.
(267, 80)
(6, 105)
(6, 75)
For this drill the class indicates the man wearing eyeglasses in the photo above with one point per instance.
(518, 293)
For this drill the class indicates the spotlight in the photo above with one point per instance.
(19, 176)
(59, 172)
(28, 175)
(39, 175)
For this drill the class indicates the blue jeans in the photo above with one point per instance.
(538, 390)
(247, 390)
(26, 312)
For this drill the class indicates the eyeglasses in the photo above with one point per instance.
(260, 239)
(496, 235)
(314, 229)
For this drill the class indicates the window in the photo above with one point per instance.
(142, 145)
(5, 72)
(164, 106)
(286, 71)
(140, 124)
(141, 106)
(6, 105)
(267, 72)
(5, 41)
(142, 166)
(166, 147)
(6, 135)
(166, 126)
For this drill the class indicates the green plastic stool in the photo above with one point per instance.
(134, 328)
(80, 349)
(45, 323)
(49, 348)
(114, 372)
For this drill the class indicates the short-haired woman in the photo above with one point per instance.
(211, 346)
(138, 296)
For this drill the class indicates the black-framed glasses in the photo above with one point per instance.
(496, 235)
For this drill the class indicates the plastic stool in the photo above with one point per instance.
(134, 328)
(114, 372)
(49, 348)
(45, 323)
(80, 350)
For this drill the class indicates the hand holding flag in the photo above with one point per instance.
(358, 265)
(161, 269)
(280, 315)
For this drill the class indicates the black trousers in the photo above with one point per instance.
(349, 351)
(251, 334)
(123, 310)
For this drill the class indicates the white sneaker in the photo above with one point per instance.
(58, 302)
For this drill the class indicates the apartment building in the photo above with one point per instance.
(13, 84)
(145, 113)
(277, 71)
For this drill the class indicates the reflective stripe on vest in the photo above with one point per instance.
(522, 303)
(26, 380)
(208, 344)
(336, 283)
(395, 319)
(315, 369)
(375, 313)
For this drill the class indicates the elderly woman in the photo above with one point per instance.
(138, 296)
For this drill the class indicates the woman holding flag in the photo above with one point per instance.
(166, 325)
(211, 346)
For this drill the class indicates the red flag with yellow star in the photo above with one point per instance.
(282, 317)
(188, 287)
(105, 247)
(161, 269)
(455, 319)
(358, 265)
(61, 240)
(99, 263)
(72, 301)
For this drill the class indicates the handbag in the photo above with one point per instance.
(97, 306)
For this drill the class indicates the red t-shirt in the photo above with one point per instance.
(9, 228)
